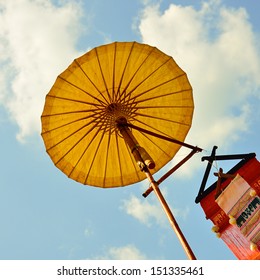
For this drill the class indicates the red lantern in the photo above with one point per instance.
(232, 203)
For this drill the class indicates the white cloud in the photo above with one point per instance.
(217, 48)
(37, 41)
(143, 211)
(128, 252)
(149, 211)
(88, 232)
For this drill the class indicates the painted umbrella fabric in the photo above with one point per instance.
(121, 79)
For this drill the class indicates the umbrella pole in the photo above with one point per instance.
(170, 216)
(135, 148)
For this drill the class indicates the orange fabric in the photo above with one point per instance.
(126, 79)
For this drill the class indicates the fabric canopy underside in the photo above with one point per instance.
(121, 79)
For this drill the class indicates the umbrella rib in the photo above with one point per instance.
(143, 80)
(99, 100)
(114, 70)
(87, 147)
(118, 94)
(74, 100)
(71, 134)
(154, 129)
(134, 74)
(153, 142)
(72, 147)
(158, 86)
(71, 112)
(91, 165)
(61, 126)
(163, 95)
(106, 158)
(162, 119)
(162, 106)
(103, 77)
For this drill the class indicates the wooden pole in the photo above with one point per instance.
(133, 145)
(170, 217)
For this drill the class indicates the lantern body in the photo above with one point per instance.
(231, 234)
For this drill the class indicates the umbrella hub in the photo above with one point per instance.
(115, 111)
(113, 108)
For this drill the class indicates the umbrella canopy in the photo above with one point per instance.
(122, 79)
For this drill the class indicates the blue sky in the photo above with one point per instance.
(45, 215)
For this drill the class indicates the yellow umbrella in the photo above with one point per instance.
(130, 80)
(116, 106)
